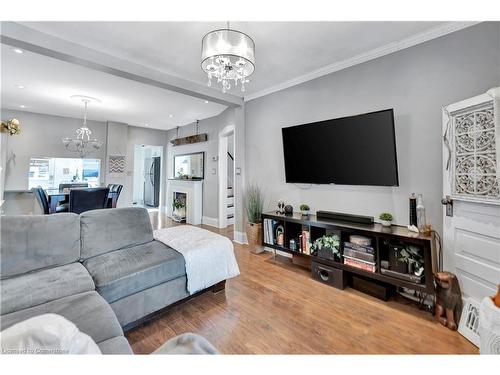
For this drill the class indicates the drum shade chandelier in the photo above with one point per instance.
(228, 56)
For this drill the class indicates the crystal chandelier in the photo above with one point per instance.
(228, 55)
(82, 145)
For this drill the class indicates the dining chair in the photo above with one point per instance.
(41, 197)
(81, 200)
(72, 185)
(114, 188)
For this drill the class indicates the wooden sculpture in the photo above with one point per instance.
(448, 300)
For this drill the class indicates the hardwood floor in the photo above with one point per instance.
(274, 307)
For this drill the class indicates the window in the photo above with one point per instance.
(50, 172)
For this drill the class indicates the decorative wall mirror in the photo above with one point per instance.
(189, 166)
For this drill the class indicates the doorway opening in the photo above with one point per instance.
(226, 177)
(148, 187)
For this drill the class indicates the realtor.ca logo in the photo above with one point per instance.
(34, 351)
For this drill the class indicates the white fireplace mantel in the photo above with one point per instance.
(194, 198)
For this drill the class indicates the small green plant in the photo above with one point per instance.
(254, 200)
(304, 207)
(329, 241)
(411, 254)
(386, 216)
(179, 203)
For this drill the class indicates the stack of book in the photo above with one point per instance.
(305, 242)
(359, 253)
(270, 226)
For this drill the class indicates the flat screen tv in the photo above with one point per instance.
(354, 150)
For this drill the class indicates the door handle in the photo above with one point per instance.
(448, 202)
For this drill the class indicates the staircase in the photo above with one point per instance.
(230, 206)
(230, 195)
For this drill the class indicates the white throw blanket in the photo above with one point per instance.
(209, 256)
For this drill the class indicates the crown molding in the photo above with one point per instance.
(387, 49)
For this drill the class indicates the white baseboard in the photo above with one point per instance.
(240, 237)
(210, 221)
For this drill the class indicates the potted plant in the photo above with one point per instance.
(386, 219)
(304, 209)
(179, 208)
(254, 202)
(413, 258)
(327, 247)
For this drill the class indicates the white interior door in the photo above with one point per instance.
(471, 186)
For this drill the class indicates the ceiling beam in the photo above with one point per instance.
(19, 36)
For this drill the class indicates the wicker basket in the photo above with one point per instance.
(254, 236)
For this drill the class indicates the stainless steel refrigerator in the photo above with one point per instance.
(152, 168)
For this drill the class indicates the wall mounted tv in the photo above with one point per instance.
(354, 150)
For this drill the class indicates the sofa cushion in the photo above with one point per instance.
(116, 345)
(88, 311)
(34, 288)
(106, 230)
(131, 270)
(32, 242)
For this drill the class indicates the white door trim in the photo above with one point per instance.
(222, 167)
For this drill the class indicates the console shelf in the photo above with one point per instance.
(382, 238)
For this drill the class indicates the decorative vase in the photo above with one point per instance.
(386, 223)
(254, 236)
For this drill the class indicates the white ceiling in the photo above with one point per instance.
(284, 50)
(49, 83)
(286, 53)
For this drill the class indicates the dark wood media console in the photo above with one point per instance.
(383, 241)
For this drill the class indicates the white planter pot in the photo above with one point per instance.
(386, 223)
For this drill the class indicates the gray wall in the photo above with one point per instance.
(41, 137)
(212, 126)
(416, 82)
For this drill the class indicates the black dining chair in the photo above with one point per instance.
(81, 200)
(114, 188)
(41, 197)
(72, 186)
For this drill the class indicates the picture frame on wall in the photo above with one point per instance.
(116, 165)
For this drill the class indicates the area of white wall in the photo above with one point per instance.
(416, 82)
(138, 189)
(141, 152)
(143, 136)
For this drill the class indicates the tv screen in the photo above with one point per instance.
(355, 150)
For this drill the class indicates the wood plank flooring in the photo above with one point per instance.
(274, 307)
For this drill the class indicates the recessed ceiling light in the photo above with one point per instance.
(18, 50)
(206, 101)
(21, 87)
(146, 124)
(170, 116)
(22, 106)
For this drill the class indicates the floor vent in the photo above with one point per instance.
(469, 321)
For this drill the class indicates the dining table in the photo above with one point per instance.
(55, 196)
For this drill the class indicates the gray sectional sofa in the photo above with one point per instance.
(102, 270)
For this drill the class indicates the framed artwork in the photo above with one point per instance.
(116, 165)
